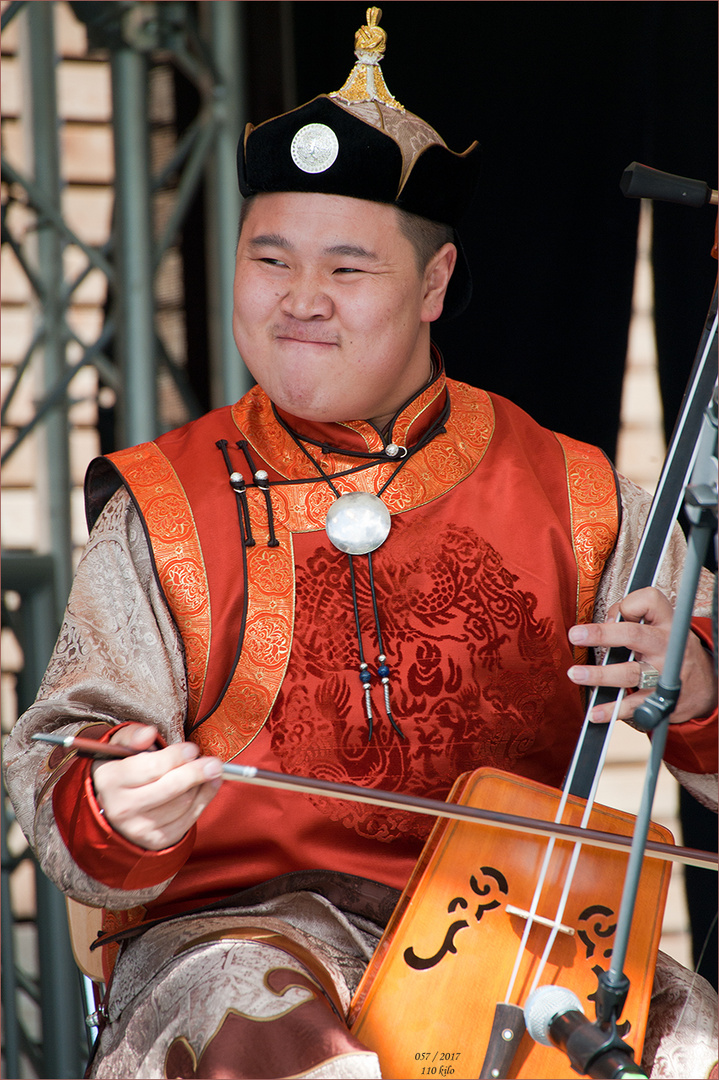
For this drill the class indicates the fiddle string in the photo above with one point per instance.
(591, 799)
(695, 975)
(569, 877)
(583, 734)
(541, 879)
(705, 946)
(622, 928)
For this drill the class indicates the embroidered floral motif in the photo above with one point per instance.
(477, 667)
(177, 552)
(593, 505)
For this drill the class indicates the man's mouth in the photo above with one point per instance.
(304, 337)
(292, 340)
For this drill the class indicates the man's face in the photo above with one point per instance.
(331, 313)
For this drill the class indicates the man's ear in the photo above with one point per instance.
(436, 279)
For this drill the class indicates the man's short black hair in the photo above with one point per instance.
(425, 236)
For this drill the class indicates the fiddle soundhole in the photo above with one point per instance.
(496, 883)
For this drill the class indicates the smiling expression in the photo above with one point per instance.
(331, 313)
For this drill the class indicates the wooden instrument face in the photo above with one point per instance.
(427, 1001)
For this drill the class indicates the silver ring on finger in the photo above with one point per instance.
(648, 676)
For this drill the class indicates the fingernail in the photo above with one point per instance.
(578, 635)
(189, 751)
(212, 769)
(596, 716)
(578, 674)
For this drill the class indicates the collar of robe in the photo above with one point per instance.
(414, 424)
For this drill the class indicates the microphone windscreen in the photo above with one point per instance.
(541, 1007)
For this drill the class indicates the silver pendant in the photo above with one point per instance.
(358, 523)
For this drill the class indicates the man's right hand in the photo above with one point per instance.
(152, 799)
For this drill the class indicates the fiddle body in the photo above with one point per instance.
(427, 1002)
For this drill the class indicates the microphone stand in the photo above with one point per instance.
(597, 1049)
(654, 713)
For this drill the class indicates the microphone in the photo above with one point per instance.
(554, 1017)
(543, 1005)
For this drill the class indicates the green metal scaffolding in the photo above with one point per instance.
(43, 1012)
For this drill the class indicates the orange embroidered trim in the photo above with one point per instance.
(595, 517)
(177, 551)
(267, 643)
(251, 694)
(403, 423)
(445, 462)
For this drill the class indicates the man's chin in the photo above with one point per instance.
(315, 409)
(316, 415)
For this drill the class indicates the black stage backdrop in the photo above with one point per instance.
(562, 97)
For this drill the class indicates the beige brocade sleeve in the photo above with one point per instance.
(118, 657)
(635, 507)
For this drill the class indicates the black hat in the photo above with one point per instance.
(360, 142)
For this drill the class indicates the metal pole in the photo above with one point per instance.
(133, 246)
(10, 1019)
(54, 477)
(60, 1003)
(229, 378)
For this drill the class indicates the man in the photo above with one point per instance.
(238, 600)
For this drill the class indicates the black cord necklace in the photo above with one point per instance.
(357, 524)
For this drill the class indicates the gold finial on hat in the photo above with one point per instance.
(371, 38)
(365, 81)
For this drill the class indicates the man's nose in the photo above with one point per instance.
(307, 299)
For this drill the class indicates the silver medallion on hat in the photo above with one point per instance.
(358, 523)
(315, 148)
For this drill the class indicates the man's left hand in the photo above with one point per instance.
(647, 616)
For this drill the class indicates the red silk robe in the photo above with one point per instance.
(500, 531)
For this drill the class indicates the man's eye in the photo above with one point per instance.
(271, 262)
(348, 270)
